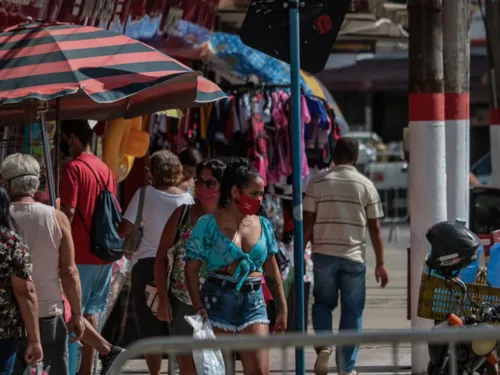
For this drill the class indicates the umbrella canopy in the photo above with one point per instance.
(97, 74)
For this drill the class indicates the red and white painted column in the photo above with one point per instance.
(427, 195)
(457, 155)
(456, 62)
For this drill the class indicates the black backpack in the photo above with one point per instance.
(105, 243)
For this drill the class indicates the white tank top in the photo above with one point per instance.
(40, 230)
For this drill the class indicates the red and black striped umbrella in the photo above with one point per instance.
(97, 74)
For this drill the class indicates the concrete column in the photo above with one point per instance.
(492, 9)
(427, 146)
(456, 51)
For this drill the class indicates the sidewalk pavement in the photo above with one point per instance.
(385, 310)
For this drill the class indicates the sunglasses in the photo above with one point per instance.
(210, 183)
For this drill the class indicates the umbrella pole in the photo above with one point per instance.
(298, 235)
(57, 149)
(48, 159)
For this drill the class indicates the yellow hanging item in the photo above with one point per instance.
(124, 141)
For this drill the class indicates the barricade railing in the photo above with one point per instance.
(230, 344)
(392, 182)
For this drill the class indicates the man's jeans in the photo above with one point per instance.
(54, 340)
(334, 276)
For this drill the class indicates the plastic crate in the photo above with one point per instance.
(438, 297)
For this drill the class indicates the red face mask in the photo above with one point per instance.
(249, 205)
(207, 196)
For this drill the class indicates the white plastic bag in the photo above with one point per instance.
(37, 370)
(207, 361)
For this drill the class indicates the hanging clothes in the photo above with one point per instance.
(256, 124)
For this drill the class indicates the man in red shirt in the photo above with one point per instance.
(81, 184)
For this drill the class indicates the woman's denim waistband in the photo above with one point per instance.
(248, 280)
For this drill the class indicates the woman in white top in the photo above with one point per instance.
(160, 201)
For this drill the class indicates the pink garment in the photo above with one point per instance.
(265, 291)
(280, 118)
(257, 142)
(306, 118)
(67, 309)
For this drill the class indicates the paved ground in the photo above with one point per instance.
(385, 309)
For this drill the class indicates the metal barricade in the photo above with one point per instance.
(392, 182)
(230, 344)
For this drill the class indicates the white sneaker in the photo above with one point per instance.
(321, 365)
(354, 372)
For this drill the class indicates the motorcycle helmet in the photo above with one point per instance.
(453, 247)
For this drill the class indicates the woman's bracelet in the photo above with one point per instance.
(199, 308)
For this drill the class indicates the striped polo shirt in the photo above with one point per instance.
(343, 200)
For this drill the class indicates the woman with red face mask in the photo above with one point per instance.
(174, 302)
(237, 247)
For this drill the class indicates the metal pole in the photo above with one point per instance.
(297, 178)
(492, 27)
(456, 60)
(48, 159)
(427, 146)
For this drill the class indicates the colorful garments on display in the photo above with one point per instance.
(254, 124)
(227, 51)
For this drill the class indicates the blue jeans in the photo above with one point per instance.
(334, 276)
(7, 356)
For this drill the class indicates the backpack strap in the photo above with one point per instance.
(95, 175)
(98, 184)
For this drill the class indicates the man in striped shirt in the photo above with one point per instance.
(339, 204)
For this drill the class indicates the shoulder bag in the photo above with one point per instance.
(151, 290)
(132, 242)
(170, 252)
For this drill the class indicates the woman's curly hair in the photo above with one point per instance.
(166, 169)
(239, 172)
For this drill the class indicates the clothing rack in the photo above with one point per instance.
(250, 87)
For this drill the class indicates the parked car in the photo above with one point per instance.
(369, 143)
(482, 169)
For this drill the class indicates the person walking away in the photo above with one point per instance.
(190, 158)
(237, 247)
(174, 301)
(47, 233)
(338, 206)
(160, 201)
(83, 180)
(18, 302)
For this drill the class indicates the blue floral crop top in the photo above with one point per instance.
(211, 246)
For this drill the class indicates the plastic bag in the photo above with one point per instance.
(37, 370)
(207, 361)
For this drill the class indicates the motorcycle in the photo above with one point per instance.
(476, 357)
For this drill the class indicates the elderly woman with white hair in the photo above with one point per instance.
(48, 235)
(47, 232)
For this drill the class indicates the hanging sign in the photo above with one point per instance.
(266, 29)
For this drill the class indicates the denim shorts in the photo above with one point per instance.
(96, 283)
(231, 310)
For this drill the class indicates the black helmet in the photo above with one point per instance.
(453, 246)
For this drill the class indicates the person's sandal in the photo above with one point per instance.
(321, 365)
